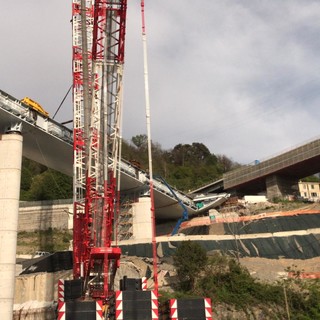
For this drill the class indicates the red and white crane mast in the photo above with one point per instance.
(98, 57)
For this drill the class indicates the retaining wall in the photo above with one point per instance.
(43, 215)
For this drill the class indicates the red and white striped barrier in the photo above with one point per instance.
(173, 309)
(99, 308)
(154, 305)
(208, 307)
(60, 290)
(119, 306)
(144, 284)
(174, 312)
(61, 310)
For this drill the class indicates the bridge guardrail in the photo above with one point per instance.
(264, 168)
(24, 113)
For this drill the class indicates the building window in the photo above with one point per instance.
(305, 194)
(313, 194)
(312, 186)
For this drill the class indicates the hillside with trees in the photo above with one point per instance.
(41, 183)
(236, 294)
(185, 167)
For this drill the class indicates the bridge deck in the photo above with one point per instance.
(297, 163)
(51, 144)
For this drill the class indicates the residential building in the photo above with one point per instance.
(309, 190)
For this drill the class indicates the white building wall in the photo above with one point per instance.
(310, 190)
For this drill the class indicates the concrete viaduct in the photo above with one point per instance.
(275, 177)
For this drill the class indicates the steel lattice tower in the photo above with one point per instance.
(98, 57)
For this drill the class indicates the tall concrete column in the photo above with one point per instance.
(280, 186)
(10, 176)
(141, 221)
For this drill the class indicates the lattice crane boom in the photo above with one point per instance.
(98, 57)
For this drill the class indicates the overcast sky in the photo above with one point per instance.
(242, 77)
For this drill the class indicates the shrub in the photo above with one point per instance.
(190, 259)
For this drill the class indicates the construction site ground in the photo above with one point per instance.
(274, 269)
(267, 270)
(261, 268)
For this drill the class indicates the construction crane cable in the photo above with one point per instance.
(64, 98)
(147, 98)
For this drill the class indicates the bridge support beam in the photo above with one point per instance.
(280, 186)
(10, 176)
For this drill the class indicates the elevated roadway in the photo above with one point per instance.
(277, 176)
(280, 172)
(45, 141)
(51, 144)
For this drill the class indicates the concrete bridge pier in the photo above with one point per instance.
(279, 186)
(142, 220)
(10, 176)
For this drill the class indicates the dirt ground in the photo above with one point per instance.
(274, 269)
(267, 207)
(261, 268)
(271, 270)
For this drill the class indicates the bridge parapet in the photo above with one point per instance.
(273, 165)
(30, 118)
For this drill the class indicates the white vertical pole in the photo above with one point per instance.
(10, 175)
(147, 98)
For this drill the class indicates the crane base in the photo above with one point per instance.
(80, 310)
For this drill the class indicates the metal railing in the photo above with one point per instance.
(22, 113)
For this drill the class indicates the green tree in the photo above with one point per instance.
(29, 170)
(140, 141)
(26, 181)
(192, 155)
(225, 164)
(185, 167)
(190, 259)
(226, 281)
(313, 178)
(50, 185)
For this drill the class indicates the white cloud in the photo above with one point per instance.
(234, 75)
(240, 76)
(36, 52)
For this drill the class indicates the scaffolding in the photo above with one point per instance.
(125, 221)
